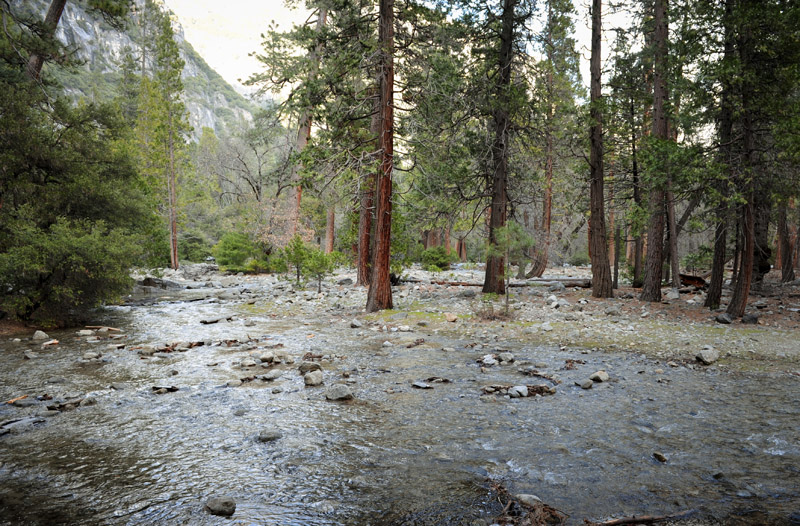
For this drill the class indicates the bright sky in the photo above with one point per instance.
(225, 32)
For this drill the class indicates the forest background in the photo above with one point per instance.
(402, 132)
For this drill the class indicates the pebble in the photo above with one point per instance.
(40, 335)
(248, 362)
(488, 360)
(272, 374)
(449, 316)
(660, 457)
(506, 357)
(223, 506)
(30, 355)
(234, 383)
(518, 391)
(313, 378)
(339, 392)
(586, 384)
(529, 500)
(277, 389)
(307, 367)
(724, 318)
(86, 332)
(707, 356)
(267, 357)
(356, 324)
(421, 385)
(387, 344)
(599, 376)
(91, 355)
(750, 319)
(269, 435)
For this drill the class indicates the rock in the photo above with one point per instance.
(339, 392)
(277, 389)
(345, 282)
(87, 402)
(556, 286)
(30, 355)
(40, 335)
(518, 391)
(404, 328)
(91, 355)
(86, 332)
(673, 295)
(599, 376)
(248, 362)
(269, 435)
(613, 310)
(356, 324)
(528, 500)
(449, 316)
(707, 356)
(267, 357)
(546, 327)
(488, 360)
(467, 293)
(147, 350)
(272, 374)
(506, 357)
(586, 384)
(307, 367)
(313, 378)
(421, 385)
(234, 383)
(724, 318)
(222, 506)
(750, 319)
(660, 457)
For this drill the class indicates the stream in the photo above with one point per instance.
(394, 454)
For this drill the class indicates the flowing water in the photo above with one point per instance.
(393, 455)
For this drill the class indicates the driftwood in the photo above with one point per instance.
(644, 519)
(23, 397)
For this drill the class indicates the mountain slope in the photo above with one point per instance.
(210, 100)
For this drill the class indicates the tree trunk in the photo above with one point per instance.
(330, 229)
(366, 208)
(618, 239)
(379, 296)
(651, 288)
(673, 237)
(598, 247)
(495, 264)
(638, 245)
(785, 247)
(461, 249)
(36, 61)
(173, 199)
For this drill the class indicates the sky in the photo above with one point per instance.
(225, 32)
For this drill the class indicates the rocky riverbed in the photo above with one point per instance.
(250, 397)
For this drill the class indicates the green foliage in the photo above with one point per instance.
(194, 247)
(579, 259)
(296, 253)
(319, 264)
(436, 259)
(233, 250)
(702, 258)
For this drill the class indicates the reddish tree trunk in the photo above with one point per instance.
(601, 270)
(36, 61)
(379, 296)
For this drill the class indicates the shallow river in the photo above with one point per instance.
(393, 455)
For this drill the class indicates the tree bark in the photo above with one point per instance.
(598, 247)
(379, 295)
(651, 288)
(366, 206)
(36, 61)
(785, 246)
(173, 198)
(494, 281)
(673, 237)
(330, 229)
(638, 244)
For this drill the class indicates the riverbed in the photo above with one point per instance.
(660, 436)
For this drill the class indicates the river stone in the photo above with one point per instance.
(660, 457)
(586, 384)
(404, 328)
(599, 376)
(421, 385)
(223, 506)
(307, 367)
(724, 318)
(272, 374)
(30, 355)
(468, 293)
(91, 355)
(234, 383)
(488, 360)
(267, 357)
(86, 332)
(750, 319)
(269, 435)
(147, 350)
(449, 316)
(313, 378)
(528, 500)
(506, 357)
(277, 389)
(613, 310)
(547, 327)
(339, 392)
(248, 362)
(707, 356)
(556, 286)
(40, 335)
(518, 391)
(345, 281)
(673, 295)
(356, 324)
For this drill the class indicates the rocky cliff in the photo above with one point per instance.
(210, 100)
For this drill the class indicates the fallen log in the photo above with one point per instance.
(23, 397)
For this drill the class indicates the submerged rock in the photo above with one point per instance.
(222, 506)
(269, 435)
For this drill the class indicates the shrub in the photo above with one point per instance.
(318, 265)
(436, 259)
(579, 259)
(192, 247)
(233, 250)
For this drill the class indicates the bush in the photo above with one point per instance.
(318, 264)
(192, 247)
(579, 259)
(82, 263)
(436, 259)
(233, 251)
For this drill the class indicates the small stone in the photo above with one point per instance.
(586, 384)
(30, 355)
(345, 282)
(91, 355)
(339, 392)
(599, 376)
(488, 360)
(547, 327)
(518, 391)
(707, 356)
(248, 362)
(356, 324)
(613, 311)
(277, 389)
(86, 332)
(313, 378)
(234, 383)
(222, 506)
(528, 500)
(267, 357)
(40, 335)
(448, 349)
(506, 357)
(421, 385)
(404, 328)
(449, 316)
(724, 318)
(673, 295)
(387, 344)
(87, 401)
(272, 374)
(307, 367)
(660, 457)
(750, 319)
(269, 435)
